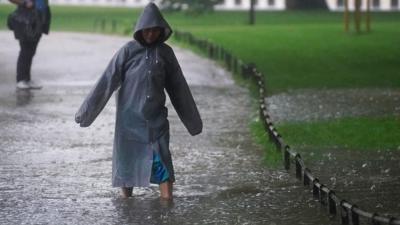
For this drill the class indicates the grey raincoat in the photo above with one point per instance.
(142, 73)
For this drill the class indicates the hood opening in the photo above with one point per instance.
(151, 17)
(139, 37)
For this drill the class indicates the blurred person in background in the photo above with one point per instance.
(29, 21)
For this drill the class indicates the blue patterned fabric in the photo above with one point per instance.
(159, 174)
(41, 5)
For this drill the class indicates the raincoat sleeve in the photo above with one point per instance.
(181, 97)
(102, 91)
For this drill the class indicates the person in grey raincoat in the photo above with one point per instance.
(142, 69)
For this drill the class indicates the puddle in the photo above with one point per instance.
(309, 105)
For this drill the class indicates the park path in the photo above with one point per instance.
(54, 172)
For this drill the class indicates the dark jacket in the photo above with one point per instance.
(29, 24)
(142, 73)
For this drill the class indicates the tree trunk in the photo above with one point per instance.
(252, 13)
(306, 4)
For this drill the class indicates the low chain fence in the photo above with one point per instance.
(349, 213)
(112, 26)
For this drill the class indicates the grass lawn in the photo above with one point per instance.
(82, 19)
(314, 53)
(295, 50)
(354, 133)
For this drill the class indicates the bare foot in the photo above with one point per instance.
(166, 190)
(127, 192)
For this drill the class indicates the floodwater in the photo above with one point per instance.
(369, 179)
(54, 172)
(310, 105)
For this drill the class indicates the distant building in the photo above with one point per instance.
(376, 5)
(333, 5)
(245, 5)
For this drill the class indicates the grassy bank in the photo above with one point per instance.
(351, 133)
(314, 55)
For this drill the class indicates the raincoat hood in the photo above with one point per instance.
(151, 17)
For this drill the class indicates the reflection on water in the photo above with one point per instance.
(142, 211)
(23, 97)
(369, 179)
(58, 173)
(309, 105)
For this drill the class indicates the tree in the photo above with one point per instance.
(252, 14)
(190, 6)
(306, 4)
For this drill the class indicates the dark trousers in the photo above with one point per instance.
(24, 63)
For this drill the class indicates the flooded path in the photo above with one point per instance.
(54, 172)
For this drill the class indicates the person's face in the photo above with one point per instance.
(151, 35)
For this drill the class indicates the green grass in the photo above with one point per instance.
(315, 56)
(350, 133)
(82, 19)
(272, 157)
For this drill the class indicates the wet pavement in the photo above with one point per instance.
(54, 172)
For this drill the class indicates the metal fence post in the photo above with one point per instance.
(229, 61)
(235, 64)
(113, 26)
(315, 188)
(323, 195)
(344, 213)
(299, 167)
(286, 156)
(103, 25)
(306, 179)
(354, 216)
(331, 203)
(210, 50)
(222, 52)
(373, 221)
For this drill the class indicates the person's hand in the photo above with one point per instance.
(28, 4)
(78, 118)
